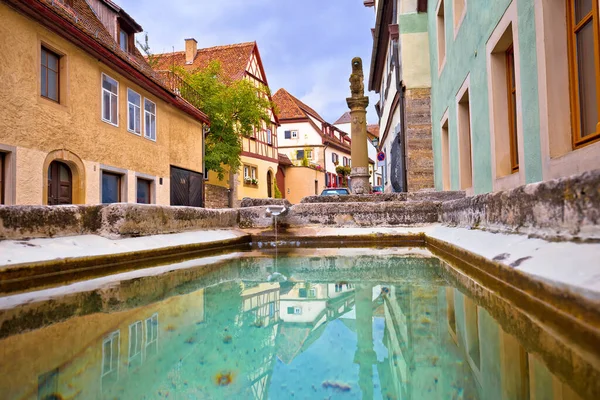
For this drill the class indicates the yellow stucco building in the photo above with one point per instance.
(256, 178)
(85, 120)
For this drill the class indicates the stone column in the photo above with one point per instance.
(358, 113)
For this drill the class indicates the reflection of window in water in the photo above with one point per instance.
(152, 335)
(135, 343)
(110, 358)
(271, 309)
(48, 384)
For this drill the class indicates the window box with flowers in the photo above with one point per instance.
(250, 174)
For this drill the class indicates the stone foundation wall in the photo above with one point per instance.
(216, 196)
(419, 146)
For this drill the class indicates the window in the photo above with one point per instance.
(294, 134)
(50, 75)
(441, 35)
(445, 155)
(345, 161)
(111, 187)
(450, 311)
(300, 155)
(584, 53)
(250, 174)
(287, 134)
(309, 154)
(110, 354)
(135, 342)
(512, 108)
(144, 187)
(335, 158)
(110, 100)
(123, 40)
(302, 293)
(464, 139)
(294, 310)
(2, 177)
(459, 11)
(312, 293)
(269, 137)
(134, 116)
(149, 119)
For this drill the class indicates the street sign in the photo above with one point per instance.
(381, 156)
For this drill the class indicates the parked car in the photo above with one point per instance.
(377, 189)
(335, 192)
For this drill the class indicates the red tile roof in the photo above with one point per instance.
(234, 59)
(290, 107)
(373, 130)
(344, 119)
(79, 24)
(285, 160)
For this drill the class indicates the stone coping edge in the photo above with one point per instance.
(44, 274)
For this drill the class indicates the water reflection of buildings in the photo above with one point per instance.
(439, 344)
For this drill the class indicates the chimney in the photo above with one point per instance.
(191, 48)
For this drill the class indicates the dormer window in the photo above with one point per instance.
(124, 40)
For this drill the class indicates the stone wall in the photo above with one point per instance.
(216, 196)
(115, 220)
(419, 147)
(566, 208)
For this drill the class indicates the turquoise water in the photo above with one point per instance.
(325, 326)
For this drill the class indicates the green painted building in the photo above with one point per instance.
(514, 91)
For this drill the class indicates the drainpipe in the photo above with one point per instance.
(400, 88)
(325, 161)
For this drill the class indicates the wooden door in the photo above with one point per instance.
(187, 188)
(60, 184)
(269, 184)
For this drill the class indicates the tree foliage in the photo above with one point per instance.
(236, 109)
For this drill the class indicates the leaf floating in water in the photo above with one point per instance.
(224, 378)
(227, 339)
(190, 340)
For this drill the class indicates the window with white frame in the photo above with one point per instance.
(269, 137)
(152, 335)
(312, 293)
(294, 134)
(149, 119)
(335, 158)
(309, 154)
(110, 100)
(110, 354)
(134, 112)
(135, 342)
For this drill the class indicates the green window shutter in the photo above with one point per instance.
(290, 310)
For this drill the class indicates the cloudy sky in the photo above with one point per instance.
(306, 45)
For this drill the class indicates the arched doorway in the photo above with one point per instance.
(269, 184)
(60, 184)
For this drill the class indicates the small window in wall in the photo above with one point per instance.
(584, 57)
(464, 139)
(149, 119)
(441, 34)
(2, 177)
(134, 112)
(300, 155)
(50, 75)
(294, 134)
(124, 40)
(111, 187)
(144, 190)
(511, 87)
(110, 100)
(459, 10)
(445, 156)
(309, 154)
(335, 158)
(269, 137)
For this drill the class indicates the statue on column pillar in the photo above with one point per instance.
(358, 103)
